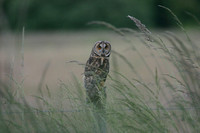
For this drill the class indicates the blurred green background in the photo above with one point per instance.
(75, 14)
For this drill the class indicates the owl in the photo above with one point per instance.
(96, 71)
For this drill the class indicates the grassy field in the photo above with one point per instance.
(149, 90)
(60, 48)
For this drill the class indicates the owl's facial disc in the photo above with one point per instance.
(102, 48)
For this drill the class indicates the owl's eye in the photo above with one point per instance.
(99, 47)
(106, 47)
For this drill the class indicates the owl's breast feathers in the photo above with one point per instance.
(97, 66)
(95, 77)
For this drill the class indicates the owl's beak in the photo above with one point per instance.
(103, 52)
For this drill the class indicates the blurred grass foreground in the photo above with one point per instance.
(153, 85)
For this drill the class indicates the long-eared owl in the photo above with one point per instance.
(96, 71)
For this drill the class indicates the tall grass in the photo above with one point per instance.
(132, 105)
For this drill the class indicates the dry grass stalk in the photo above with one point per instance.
(142, 28)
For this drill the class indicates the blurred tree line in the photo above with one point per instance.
(75, 14)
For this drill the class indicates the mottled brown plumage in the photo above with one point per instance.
(96, 71)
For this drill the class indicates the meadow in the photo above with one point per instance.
(153, 84)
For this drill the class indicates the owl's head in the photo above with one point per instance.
(102, 49)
